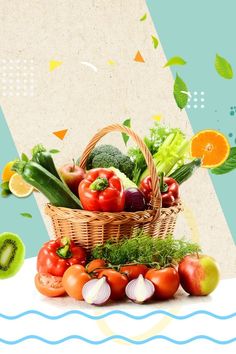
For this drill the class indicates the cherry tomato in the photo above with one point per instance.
(49, 285)
(133, 271)
(95, 264)
(165, 281)
(74, 279)
(117, 282)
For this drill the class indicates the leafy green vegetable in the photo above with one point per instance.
(175, 61)
(223, 67)
(145, 249)
(180, 92)
(143, 18)
(173, 152)
(170, 155)
(54, 151)
(155, 42)
(26, 215)
(126, 123)
(228, 166)
(24, 157)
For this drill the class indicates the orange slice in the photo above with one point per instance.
(7, 172)
(19, 187)
(211, 146)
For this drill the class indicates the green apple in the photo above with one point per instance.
(199, 274)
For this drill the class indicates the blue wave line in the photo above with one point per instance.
(123, 338)
(118, 312)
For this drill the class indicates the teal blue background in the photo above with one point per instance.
(32, 231)
(196, 31)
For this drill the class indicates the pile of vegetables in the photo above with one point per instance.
(139, 269)
(113, 181)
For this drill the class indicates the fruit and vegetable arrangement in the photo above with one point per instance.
(140, 268)
(110, 175)
(136, 266)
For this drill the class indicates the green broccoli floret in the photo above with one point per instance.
(105, 160)
(109, 156)
(125, 165)
(107, 149)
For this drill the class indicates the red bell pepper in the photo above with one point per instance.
(102, 190)
(57, 255)
(169, 190)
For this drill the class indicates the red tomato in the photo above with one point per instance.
(165, 281)
(57, 255)
(117, 282)
(95, 264)
(49, 285)
(133, 271)
(74, 279)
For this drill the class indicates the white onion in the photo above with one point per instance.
(139, 290)
(96, 291)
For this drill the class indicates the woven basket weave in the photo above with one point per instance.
(89, 228)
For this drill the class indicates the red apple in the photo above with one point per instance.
(72, 176)
(199, 274)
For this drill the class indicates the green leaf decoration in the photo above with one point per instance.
(26, 215)
(126, 123)
(24, 157)
(228, 166)
(175, 61)
(5, 193)
(155, 42)
(5, 186)
(223, 67)
(54, 151)
(143, 18)
(180, 92)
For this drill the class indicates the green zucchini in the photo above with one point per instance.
(44, 158)
(50, 186)
(184, 172)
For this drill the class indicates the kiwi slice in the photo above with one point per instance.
(12, 254)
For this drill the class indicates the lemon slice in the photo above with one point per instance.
(19, 187)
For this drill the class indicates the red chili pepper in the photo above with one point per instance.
(57, 255)
(169, 190)
(102, 190)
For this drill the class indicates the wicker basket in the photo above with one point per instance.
(92, 228)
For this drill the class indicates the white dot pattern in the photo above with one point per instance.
(17, 77)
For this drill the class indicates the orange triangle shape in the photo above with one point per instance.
(138, 57)
(60, 133)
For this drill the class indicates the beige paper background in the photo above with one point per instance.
(82, 100)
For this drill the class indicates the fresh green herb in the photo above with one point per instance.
(26, 215)
(24, 157)
(126, 123)
(223, 67)
(143, 18)
(180, 92)
(145, 249)
(228, 166)
(175, 61)
(155, 42)
(54, 151)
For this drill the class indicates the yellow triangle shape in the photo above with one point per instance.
(53, 64)
(61, 133)
(138, 57)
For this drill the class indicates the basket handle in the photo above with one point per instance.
(156, 199)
